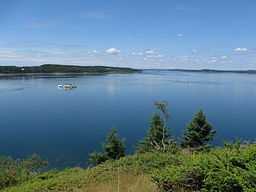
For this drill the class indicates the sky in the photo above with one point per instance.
(191, 34)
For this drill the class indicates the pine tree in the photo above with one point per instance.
(198, 132)
(157, 137)
(113, 148)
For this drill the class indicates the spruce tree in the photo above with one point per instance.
(198, 132)
(157, 137)
(113, 148)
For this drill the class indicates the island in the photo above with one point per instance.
(63, 69)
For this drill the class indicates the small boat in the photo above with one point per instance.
(67, 86)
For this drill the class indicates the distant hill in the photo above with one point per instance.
(53, 68)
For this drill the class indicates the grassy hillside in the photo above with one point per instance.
(231, 168)
(52, 68)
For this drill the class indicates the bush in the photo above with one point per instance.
(229, 169)
(13, 172)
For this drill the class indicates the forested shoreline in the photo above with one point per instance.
(54, 68)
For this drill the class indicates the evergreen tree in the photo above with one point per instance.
(198, 132)
(157, 137)
(113, 148)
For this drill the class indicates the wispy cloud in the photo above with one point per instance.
(150, 52)
(239, 49)
(224, 57)
(154, 56)
(212, 61)
(148, 58)
(38, 56)
(137, 53)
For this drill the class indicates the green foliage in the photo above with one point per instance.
(229, 169)
(96, 158)
(113, 148)
(34, 163)
(78, 179)
(198, 133)
(13, 172)
(154, 139)
(158, 137)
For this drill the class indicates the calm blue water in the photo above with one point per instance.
(64, 126)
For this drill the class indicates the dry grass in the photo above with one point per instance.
(123, 183)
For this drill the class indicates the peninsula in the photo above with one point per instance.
(63, 69)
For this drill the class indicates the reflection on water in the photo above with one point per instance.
(14, 89)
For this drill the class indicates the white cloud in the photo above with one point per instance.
(180, 35)
(239, 49)
(224, 57)
(93, 52)
(150, 52)
(213, 61)
(6, 53)
(137, 53)
(113, 51)
(38, 56)
(155, 56)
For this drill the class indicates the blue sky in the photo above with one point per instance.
(219, 34)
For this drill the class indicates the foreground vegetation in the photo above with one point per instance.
(53, 68)
(231, 168)
(14, 172)
(160, 163)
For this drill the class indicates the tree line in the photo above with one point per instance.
(197, 135)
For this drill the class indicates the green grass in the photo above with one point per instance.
(225, 169)
(129, 174)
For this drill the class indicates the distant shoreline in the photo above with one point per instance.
(59, 70)
(58, 74)
(55, 70)
(207, 71)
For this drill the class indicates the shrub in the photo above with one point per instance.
(229, 169)
(13, 172)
